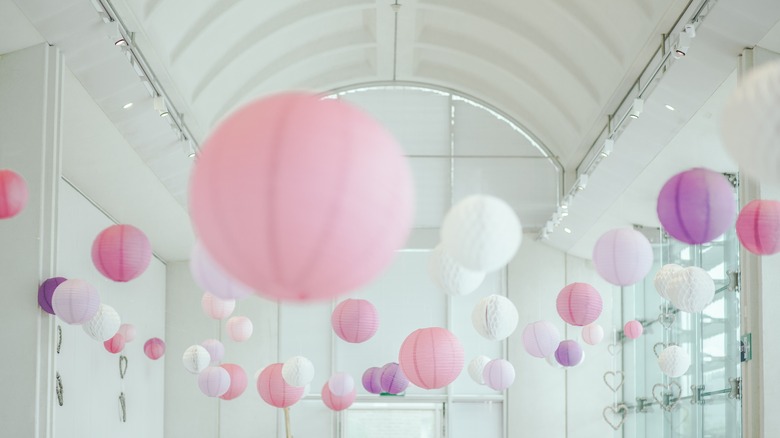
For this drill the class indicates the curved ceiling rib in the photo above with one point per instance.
(203, 21)
(577, 13)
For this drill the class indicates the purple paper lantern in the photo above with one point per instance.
(696, 206)
(569, 353)
(499, 374)
(392, 379)
(541, 338)
(372, 380)
(46, 290)
(579, 304)
(623, 256)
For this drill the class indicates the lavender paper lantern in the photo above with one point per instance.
(355, 321)
(341, 383)
(541, 338)
(337, 402)
(372, 380)
(674, 361)
(633, 329)
(392, 379)
(450, 277)
(431, 358)
(13, 193)
(104, 325)
(623, 256)
(494, 317)
(664, 277)
(196, 359)
(476, 366)
(499, 374)
(579, 304)
(215, 307)
(216, 350)
(121, 252)
(75, 301)
(691, 289)
(298, 371)
(154, 348)
(758, 227)
(127, 331)
(239, 328)
(569, 353)
(45, 292)
(212, 278)
(592, 334)
(696, 206)
(214, 381)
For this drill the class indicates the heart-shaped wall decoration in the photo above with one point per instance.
(615, 415)
(614, 380)
(667, 396)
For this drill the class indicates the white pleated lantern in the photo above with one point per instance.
(451, 277)
(341, 383)
(104, 325)
(664, 277)
(495, 317)
(196, 359)
(215, 307)
(239, 328)
(476, 366)
(592, 334)
(298, 371)
(691, 289)
(214, 381)
(674, 361)
(216, 350)
(482, 233)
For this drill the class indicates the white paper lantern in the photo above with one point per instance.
(495, 317)
(298, 371)
(196, 359)
(216, 350)
(553, 362)
(104, 325)
(476, 366)
(451, 277)
(499, 374)
(482, 233)
(691, 289)
(239, 328)
(663, 277)
(341, 384)
(215, 307)
(674, 361)
(592, 334)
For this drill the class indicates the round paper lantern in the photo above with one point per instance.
(696, 206)
(212, 278)
(274, 390)
(217, 308)
(116, 344)
(691, 289)
(154, 348)
(214, 381)
(75, 301)
(104, 325)
(216, 350)
(337, 402)
(355, 321)
(372, 380)
(569, 353)
(431, 358)
(623, 256)
(674, 361)
(196, 359)
(476, 366)
(592, 334)
(494, 317)
(127, 331)
(481, 233)
(45, 292)
(13, 193)
(758, 227)
(121, 252)
(499, 374)
(633, 329)
(579, 304)
(553, 362)
(450, 277)
(298, 371)
(269, 165)
(392, 379)
(239, 328)
(238, 381)
(663, 277)
(541, 338)
(341, 383)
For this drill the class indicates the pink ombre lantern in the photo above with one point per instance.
(154, 348)
(541, 338)
(431, 358)
(274, 390)
(13, 193)
(216, 350)
(579, 304)
(75, 301)
(212, 278)
(372, 380)
(214, 381)
(355, 321)
(217, 308)
(121, 252)
(337, 402)
(623, 256)
(238, 381)
(758, 227)
(239, 328)
(128, 331)
(633, 329)
(569, 353)
(392, 379)
(115, 345)
(269, 165)
(45, 292)
(592, 334)
(498, 374)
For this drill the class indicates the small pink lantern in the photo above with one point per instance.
(213, 278)
(274, 390)
(115, 345)
(239, 328)
(579, 304)
(355, 321)
(75, 301)
(216, 350)
(238, 381)
(592, 334)
(154, 348)
(392, 379)
(121, 252)
(623, 256)
(45, 292)
(498, 374)
(633, 329)
(541, 338)
(431, 358)
(569, 353)
(127, 331)
(758, 227)
(13, 193)
(217, 308)
(372, 380)
(214, 381)
(337, 402)
(341, 383)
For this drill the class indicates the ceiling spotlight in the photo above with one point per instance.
(669, 107)
(160, 106)
(191, 149)
(609, 144)
(582, 182)
(120, 42)
(568, 230)
(684, 42)
(637, 108)
(127, 105)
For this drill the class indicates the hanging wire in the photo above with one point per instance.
(122, 366)
(60, 392)
(122, 408)
(59, 338)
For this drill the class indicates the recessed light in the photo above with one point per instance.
(120, 42)
(568, 230)
(669, 107)
(127, 105)
(191, 155)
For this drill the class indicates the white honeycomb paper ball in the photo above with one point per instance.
(298, 371)
(196, 359)
(104, 325)
(476, 366)
(663, 277)
(691, 289)
(674, 361)
(495, 317)
(450, 277)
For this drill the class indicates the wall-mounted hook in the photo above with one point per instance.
(697, 394)
(735, 391)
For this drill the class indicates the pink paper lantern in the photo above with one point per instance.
(758, 227)
(569, 353)
(337, 402)
(498, 374)
(592, 334)
(13, 193)
(127, 331)
(274, 390)
(623, 256)
(392, 379)
(75, 301)
(633, 329)
(238, 381)
(45, 292)
(239, 328)
(355, 321)
(121, 252)
(214, 381)
(216, 350)
(541, 338)
(213, 278)
(154, 348)
(115, 345)
(431, 358)
(579, 304)
(372, 380)
(217, 308)
(269, 165)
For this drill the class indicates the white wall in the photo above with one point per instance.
(770, 279)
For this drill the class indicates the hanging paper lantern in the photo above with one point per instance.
(372, 380)
(341, 383)
(494, 317)
(216, 350)
(337, 402)
(75, 301)
(13, 193)
(579, 304)
(553, 362)
(450, 277)
(498, 374)
(212, 278)
(541, 338)
(238, 381)
(154, 348)
(569, 353)
(274, 390)
(476, 366)
(104, 325)
(691, 289)
(696, 206)
(239, 328)
(116, 344)
(623, 256)
(431, 358)
(127, 331)
(355, 321)
(758, 227)
(633, 329)
(664, 277)
(592, 334)
(214, 381)
(196, 359)
(392, 379)
(307, 155)
(217, 308)
(298, 371)
(45, 292)
(481, 233)
(674, 361)
(121, 252)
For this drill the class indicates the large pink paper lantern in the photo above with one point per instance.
(127, 331)
(569, 353)
(337, 402)
(75, 301)
(239, 328)
(217, 308)
(121, 252)
(758, 227)
(372, 380)
(633, 329)
(392, 379)
(301, 198)
(355, 321)
(238, 381)
(13, 193)
(216, 350)
(592, 334)
(214, 381)
(623, 256)
(541, 338)
(45, 292)
(274, 390)
(116, 344)
(212, 278)
(431, 358)
(696, 206)
(579, 304)
(154, 348)
(498, 374)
